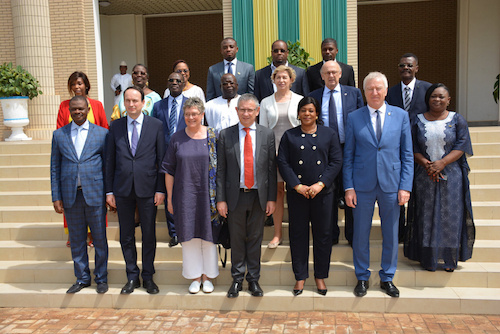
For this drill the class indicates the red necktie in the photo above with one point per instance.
(248, 157)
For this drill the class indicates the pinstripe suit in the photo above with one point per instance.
(85, 207)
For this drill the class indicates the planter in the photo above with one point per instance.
(15, 116)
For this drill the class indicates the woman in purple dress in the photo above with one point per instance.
(189, 166)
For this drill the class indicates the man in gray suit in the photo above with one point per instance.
(244, 72)
(246, 191)
(263, 84)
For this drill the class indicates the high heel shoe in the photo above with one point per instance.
(321, 291)
(297, 292)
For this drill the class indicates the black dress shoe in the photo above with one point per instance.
(335, 242)
(102, 287)
(150, 287)
(235, 289)
(389, 288)
(360, 289)
(77, 287)
(255, 289)
(130, 286)
(341, 204)
(174, 241)
(269, 221)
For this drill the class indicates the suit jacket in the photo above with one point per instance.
(228, 166)
(65, 166)
(417, 105)
(160, 111)
(297, 158)
(366, 161)
(315, 81)
(264, 85)
(142, 171)
(351, 100)
(245, 76)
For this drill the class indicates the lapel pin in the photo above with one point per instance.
(389, 113)
(239, 73)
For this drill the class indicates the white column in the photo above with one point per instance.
(33, 45)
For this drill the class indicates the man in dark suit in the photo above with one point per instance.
(263, 84)
(246, 191)
(329, 51)
(378, 166)
(408, 94)
(244, 72)
(136, 146)
(170, 112)
(337, 101)
(76, 177)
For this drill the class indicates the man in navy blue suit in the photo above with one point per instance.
(135, 150)
(378, 166)
(337, 101)
(170, 112)
(279, 54)
(76, 177)
(408, 94)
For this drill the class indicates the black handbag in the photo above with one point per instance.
(221, 236)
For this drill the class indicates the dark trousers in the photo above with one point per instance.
(147, 214)
(348, 219)
(246, 228)
(79, 216)
(318, 211)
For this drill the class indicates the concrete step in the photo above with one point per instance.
(43, 250)
(46, 213)
(484, 177)
(25, 159)
(484, 162)
(175, 297)
(22, 171)
(490, 134)
(481, 149)
(25, 184)
(35, 146)
(409, 274)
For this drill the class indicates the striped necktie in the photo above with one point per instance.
(407, 100)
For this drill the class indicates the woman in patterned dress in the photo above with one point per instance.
(441, 227)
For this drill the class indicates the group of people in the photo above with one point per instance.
(233, 157)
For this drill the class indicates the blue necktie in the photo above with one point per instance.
(379, 126)
(332, 112)
(172, 118)
(79, 142)
(135, 137)
(229, 70)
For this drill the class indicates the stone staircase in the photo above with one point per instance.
(36, 267)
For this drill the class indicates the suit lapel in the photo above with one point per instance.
(368, 121)
(258, 141)
(235, 137)
(414, 98)
(67, 132)
(89, 137)
(387, 121)
(343, 95)
(145, 125)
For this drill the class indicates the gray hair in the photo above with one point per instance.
(248, 97)
(374, 75)
(194, 102)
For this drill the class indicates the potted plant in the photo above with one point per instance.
(16, 86)
(297, 55)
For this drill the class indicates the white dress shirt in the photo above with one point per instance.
(233, 67)
(373, 117)
(130, 127)
(411, 85)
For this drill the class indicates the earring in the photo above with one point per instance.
(317, 117)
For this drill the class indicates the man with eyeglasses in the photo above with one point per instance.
(169, 111)
(244, 72)
(409, 94)
(279, 54)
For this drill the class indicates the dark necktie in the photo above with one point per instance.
(332, 112)
(407, 100)
(379, 126)
(229, 69)
(172, 118)
(135, 137)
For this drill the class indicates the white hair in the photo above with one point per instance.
(374, 75)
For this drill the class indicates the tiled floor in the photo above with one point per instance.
(80, 321)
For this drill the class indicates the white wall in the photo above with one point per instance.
(479, 59)
(122, 38)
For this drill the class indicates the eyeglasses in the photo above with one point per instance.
(279, 50)
(192, 115)
(184, 70)
(405, 65)
(139, 73)
(246, 110)
(175, 80)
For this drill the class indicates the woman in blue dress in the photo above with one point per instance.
(441, 227)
